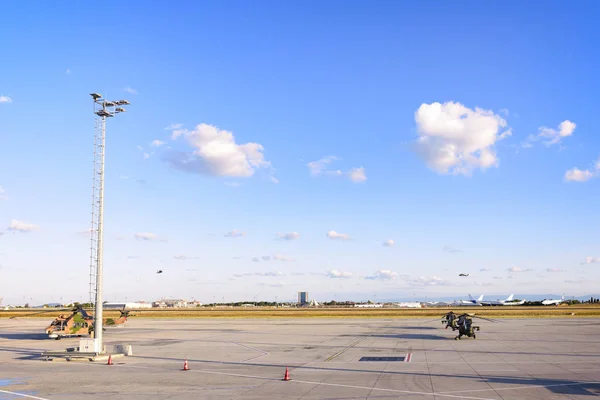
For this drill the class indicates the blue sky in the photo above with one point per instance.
(439, 127)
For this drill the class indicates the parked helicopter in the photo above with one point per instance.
(464, 324)
(78, 323)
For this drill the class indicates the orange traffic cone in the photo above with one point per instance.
(287, 375)
(185, 366)
(109, 360)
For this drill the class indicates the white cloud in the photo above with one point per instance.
(456, 139)
(484, 270)
(554, 270)
(519, 269)
(279, 257)
(578, 175)
(505, 112)
(5, 99)
(19, 226)
(232, 184)
(173, 127)
(2, 195)
(147, 155)
(578, 281)
(335, 236)
(130, 90)
(565, 129)
(389, 243)
(68, 71)
(428, 281)
(157, 143)
(289, 236)
(591, 260)
(334, 273)
(274, 180)
(216, 153)
(145, 236)
(317, 167)
(383, 274)
(235, 233)
(449, 249)
(357, 175)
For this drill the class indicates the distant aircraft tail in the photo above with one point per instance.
(510, 298)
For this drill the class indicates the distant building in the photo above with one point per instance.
(303, 298)
(136, 305)
(369, 305)
(175, 303)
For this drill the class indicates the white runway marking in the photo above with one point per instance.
(23, 395)
(206, 371)
(526, 387)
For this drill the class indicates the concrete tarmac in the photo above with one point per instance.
(246, 359)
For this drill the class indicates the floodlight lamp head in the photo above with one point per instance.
(122, 102)
(96, 96)
(120, 109)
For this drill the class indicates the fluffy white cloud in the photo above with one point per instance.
(157, 143)
(554, 270)
(20, 226)
(147, 155)
(456, 139)
(273, 273)
(565, 129)
(173, 127)
(519, 269)
(215, 152)
(337, 236)
(130, 90)
(578, 175)
(289, 236)
(449, 249)
(383, 274)
(279, 257)
(389, 243)
(235, 233)
(428, 281)
(591, 260)
(145, 236)
(318, 167)
(5, 99)
(334, 273)
(357, 175)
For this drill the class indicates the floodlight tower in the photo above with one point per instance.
(103, 109)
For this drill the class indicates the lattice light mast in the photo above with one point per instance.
(103, 109)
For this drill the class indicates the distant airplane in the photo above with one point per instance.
(508, 302)
(471, 301)
(159, 271)
(548, 302)
(463, 274)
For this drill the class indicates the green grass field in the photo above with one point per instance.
(258, 312)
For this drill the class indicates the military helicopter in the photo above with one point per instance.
(78, 323)
(463, 274)
(462, 323)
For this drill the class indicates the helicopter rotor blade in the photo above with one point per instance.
(486, 319)
(40, 312)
